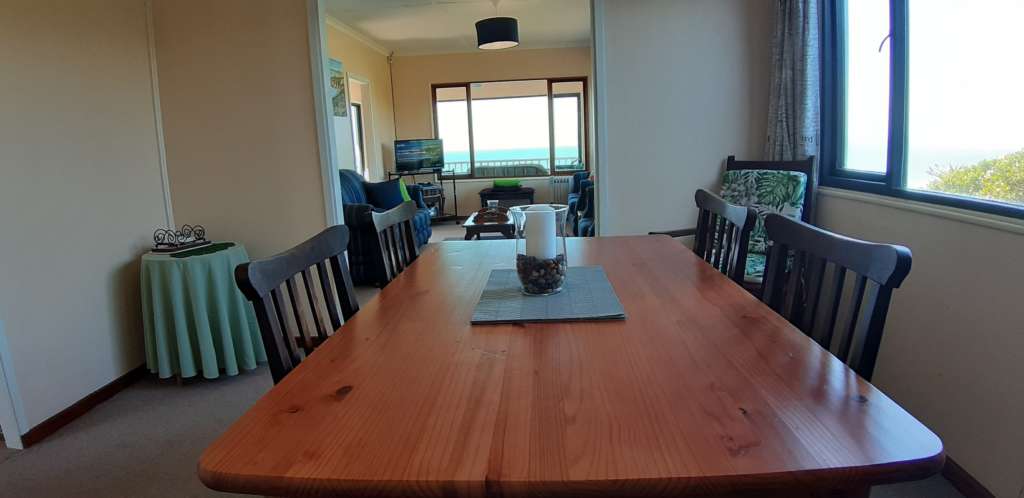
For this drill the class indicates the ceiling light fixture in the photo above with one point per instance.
(496, 33)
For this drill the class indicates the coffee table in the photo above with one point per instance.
(474, 229)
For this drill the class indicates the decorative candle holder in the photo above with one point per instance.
(540, 247)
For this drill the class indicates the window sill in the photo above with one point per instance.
(993, 221)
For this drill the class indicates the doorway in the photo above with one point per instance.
(360, 104)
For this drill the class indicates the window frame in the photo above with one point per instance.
(584, 145)
(893, 181)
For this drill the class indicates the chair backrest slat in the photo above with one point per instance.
(731, 252)
(343, 279)
(791, 307)
(856, 300)
(318, 321)
(278, 356)
(799, 286)
(723, 233)
(395, 237)
(700, 239)
(300, 315)
(813, 276)
(328, 292)
(821, 331)
(284, 321)
(289, 332)
(720, 246)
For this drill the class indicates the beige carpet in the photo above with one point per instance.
(144, 442)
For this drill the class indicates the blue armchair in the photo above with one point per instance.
(585, 215)
(575, 192)
(364, 254)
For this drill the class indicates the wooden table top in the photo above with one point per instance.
(702, 390)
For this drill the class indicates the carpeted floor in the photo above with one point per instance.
(145, 441)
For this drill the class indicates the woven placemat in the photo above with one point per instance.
(586, 295)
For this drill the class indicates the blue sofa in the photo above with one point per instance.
(364, 255)
(575, 191)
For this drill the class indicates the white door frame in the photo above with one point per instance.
(12, 416)
(600, 106)
(369, 125)
(324, 123)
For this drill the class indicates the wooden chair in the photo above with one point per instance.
(806, 282)
(395, 235)
(285, 307)
(723, 234)
(805, 166)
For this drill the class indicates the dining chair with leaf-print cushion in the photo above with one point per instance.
(787, 188)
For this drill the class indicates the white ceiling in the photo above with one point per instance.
(412, 27)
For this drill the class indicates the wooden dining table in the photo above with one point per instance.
(701, 391)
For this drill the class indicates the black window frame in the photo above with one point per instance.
(893, 181)
(585, 127)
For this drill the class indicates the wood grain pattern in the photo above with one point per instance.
(702, 391)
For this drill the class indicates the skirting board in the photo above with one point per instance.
(964, 482)
(81, 407)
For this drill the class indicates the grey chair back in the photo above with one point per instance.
(833, 288)
(397, 240)
(723, 234)
(300, 297)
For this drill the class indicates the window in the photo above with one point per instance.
(357, 137)
(515, 128)
(921, 100)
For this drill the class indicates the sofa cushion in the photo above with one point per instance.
(352, 191)
(766, 191)
(405, 191)
(421, 226)
(384, 195)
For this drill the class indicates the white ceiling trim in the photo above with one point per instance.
(358, 35)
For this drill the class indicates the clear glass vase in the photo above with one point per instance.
(540, 247)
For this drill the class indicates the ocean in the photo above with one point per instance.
(509, 154)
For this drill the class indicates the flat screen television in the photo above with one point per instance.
(419, 154)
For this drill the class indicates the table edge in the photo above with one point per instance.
(825, 478)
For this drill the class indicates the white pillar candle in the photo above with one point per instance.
(540, 231)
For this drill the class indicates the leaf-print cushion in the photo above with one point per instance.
(754, 272)
(766, 191)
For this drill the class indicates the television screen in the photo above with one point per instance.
(419, 154)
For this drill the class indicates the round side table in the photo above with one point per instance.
(194, 317)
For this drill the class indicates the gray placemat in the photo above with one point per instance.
(586, 295)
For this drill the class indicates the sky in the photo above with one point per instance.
(966, 83)
(508, 123)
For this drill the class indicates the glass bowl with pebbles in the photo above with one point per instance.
(540, 247)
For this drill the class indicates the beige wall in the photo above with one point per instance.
(239, 124)
(951, 353)
(414, 75)
(367, 64)
(80, 194)
(686, 86)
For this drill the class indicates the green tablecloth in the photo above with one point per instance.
(194, 316)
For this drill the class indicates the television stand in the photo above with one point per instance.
(434, 197)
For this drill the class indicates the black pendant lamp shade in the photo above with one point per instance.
(496, 33)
